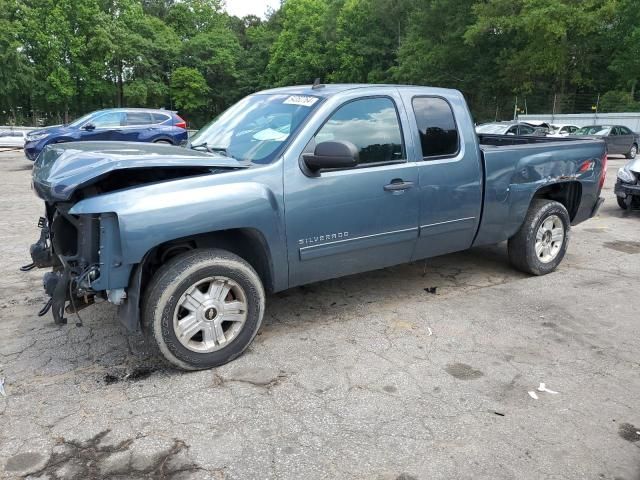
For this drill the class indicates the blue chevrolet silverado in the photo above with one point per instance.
(291, 186)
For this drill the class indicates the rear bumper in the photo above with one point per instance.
(624, 189)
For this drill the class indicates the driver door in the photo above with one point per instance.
(108, 126)
(341, 222)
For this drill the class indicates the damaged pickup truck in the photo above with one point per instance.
(292, 186)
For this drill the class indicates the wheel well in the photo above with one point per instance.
(567, 193)
(247, 243)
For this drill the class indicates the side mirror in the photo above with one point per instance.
(326, 155)
(89, 126)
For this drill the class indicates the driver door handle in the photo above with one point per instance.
(397, 184)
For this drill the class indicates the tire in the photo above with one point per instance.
(523, 253)
(163, 142)
(633, 151)
(622, 203)
(172, 308)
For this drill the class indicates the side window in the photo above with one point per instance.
(573, 129)
(159, 118)
(437, 127)
(371, 124)
(106, 120)
(513, 130)
(565, 130)
(624, 131)
(526, 130)
(139, 118)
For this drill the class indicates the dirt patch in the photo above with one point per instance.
(92, 460)
(629, 432)
(462, 371)
(623, 246)
(134, 375)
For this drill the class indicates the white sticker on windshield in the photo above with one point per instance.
(301, 100)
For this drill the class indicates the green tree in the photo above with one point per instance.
(301, 52)
(546, 44)
(189, 89)
(369, 34)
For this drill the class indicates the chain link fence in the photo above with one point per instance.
(502, 108)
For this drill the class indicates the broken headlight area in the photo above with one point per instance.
(70, 246)
(625, 175)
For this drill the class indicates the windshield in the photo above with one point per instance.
(491, 128)
(82, 119)
(255, 128)
(594, 130)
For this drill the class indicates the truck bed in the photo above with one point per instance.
(492, 140)
(516, 168)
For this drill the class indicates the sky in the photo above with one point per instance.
(240, 8)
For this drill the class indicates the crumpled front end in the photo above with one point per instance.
(75, 247)
(627, 187)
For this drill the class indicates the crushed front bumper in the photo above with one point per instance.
(623, 189)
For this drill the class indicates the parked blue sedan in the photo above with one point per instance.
(120, 124)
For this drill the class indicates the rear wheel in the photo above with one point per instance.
(540, 244)
(633, 151)
(203, 308)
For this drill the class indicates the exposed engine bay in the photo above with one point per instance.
(78, 247)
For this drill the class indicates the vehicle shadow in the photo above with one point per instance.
(99, 345)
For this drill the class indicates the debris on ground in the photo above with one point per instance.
(533, 394)
(430, 332)
(431, 290)
(543, 388)
(2, 392)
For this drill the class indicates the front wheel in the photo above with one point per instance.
(540, 244)
(203, 308)
(622, 203)
(632, 152)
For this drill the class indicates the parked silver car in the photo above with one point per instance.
(12, 138)
(620, 140)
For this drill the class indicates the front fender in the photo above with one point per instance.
(154, 214)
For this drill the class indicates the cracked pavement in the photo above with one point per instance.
(375, 376)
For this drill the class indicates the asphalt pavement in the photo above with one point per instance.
(421, 371)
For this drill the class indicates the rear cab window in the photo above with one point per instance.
(437, 128)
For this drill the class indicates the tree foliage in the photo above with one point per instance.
(62, 58)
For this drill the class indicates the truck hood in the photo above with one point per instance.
(63, 168)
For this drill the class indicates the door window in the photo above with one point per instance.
(371, 124)
(159, 118)
(513, 130)
(107, 120)
(437, 127)
(624, 131)
(526, 130)
(139, 118)
(615, 131)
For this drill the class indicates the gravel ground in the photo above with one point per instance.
(373, 376)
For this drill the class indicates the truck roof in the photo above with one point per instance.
(329, 89)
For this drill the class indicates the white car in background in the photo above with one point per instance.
(12, 138)
(562, 130)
